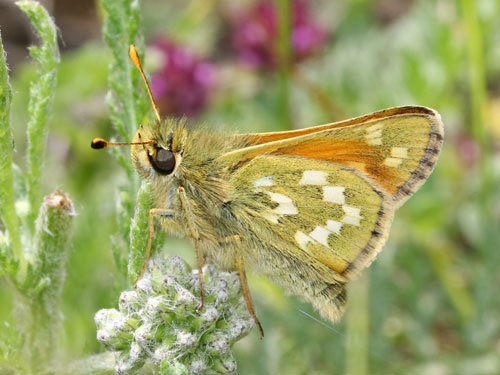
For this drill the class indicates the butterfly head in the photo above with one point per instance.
(157, 149)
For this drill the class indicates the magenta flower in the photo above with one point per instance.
(255, 34)
(183, 81)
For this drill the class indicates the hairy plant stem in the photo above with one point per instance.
(38, 311)
(139, 232)
(128, 107)
(34, 251)
(42, 92)
(7, 197)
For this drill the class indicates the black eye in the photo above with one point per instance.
(163, 161)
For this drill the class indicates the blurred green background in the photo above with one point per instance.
(429, 304)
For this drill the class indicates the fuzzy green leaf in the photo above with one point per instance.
(139, 232)
(127, 102)
(12, 245)
(128, 107)
(42, 93)
(41, 319)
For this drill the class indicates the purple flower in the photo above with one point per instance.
(468, 150)
(183, 81)
(255, 34)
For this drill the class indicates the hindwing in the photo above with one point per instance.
(331, 212)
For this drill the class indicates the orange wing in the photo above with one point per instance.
(260, 138)
(396, 147)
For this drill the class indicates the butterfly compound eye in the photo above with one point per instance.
(163, 161)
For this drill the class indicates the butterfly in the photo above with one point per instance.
(307, 208)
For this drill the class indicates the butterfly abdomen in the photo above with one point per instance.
(302, 276)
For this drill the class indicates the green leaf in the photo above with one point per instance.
(42, 91)
(7, 199)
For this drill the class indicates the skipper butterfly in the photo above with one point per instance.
(308, 208)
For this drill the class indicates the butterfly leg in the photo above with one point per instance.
(151, 233)
(194, 234)
(246, 292)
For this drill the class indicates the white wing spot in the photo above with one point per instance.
(314, 178)
(334, 194)
(320, 234)
(399, 152)
(393, 162)
(286, 206)
(264, 181)
(334, 226)
(352, 215)
(302, 239)
(374, 128)
(374, 134)
(374, 142)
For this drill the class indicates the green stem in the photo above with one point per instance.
(42, 92)
(285, 62)
(128, 107)
(478, 96)
(139, 232)
(358, 326)
(121, 29)
(125, 103)
(442, 256)
(477, 80)
(7, 198)
(41, 322)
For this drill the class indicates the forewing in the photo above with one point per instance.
(331, 212)
(396, 148)
(261, 138)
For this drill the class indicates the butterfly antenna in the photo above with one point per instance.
(98, 143)
(132, 52)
